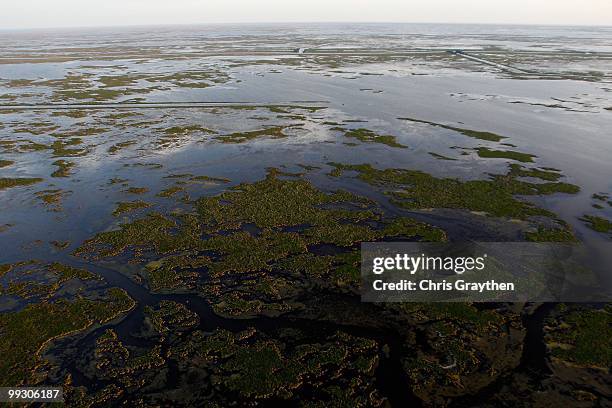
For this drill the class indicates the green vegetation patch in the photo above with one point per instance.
(275, 132)
(582, 337)
(6, 163)
(71, 113)
(33, 279)
(417, 190)
(129, 206)
(170, 317)
(543, 234)
(186, 130)
(487, 153)
(80, 132)
(36, 128)
(598, 224)
(153, 230)
(120, 146)
(274, 207)
(214, 180)
(251, 366)
(603, 197)
(98, 94)
(125, 367)
(61, 148)
(276, 203)
(52, 198)
(16, 182)
(29, 146)
(175, 272)
(122, 115)
(461, 340)
(169, 192)
(119, 80)
(60, 244)
(26, 333)
(600, 197)
(191, 79)
(335, 218)
(137, 190)
(64, 168)
(241, 252)
(369, 136)
(517, 170)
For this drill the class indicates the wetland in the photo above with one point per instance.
(181, 221)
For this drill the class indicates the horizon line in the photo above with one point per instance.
(219, 23)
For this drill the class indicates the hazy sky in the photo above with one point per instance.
(66, 13)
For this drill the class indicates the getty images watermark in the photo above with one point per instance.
(486, 272)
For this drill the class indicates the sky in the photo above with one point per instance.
(86, 13)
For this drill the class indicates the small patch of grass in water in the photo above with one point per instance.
(129, 206)
(276, 132)
(487, 153)
(369, 136)
(137, 190)
(598, 224)
(64, 168)
(16, 182)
